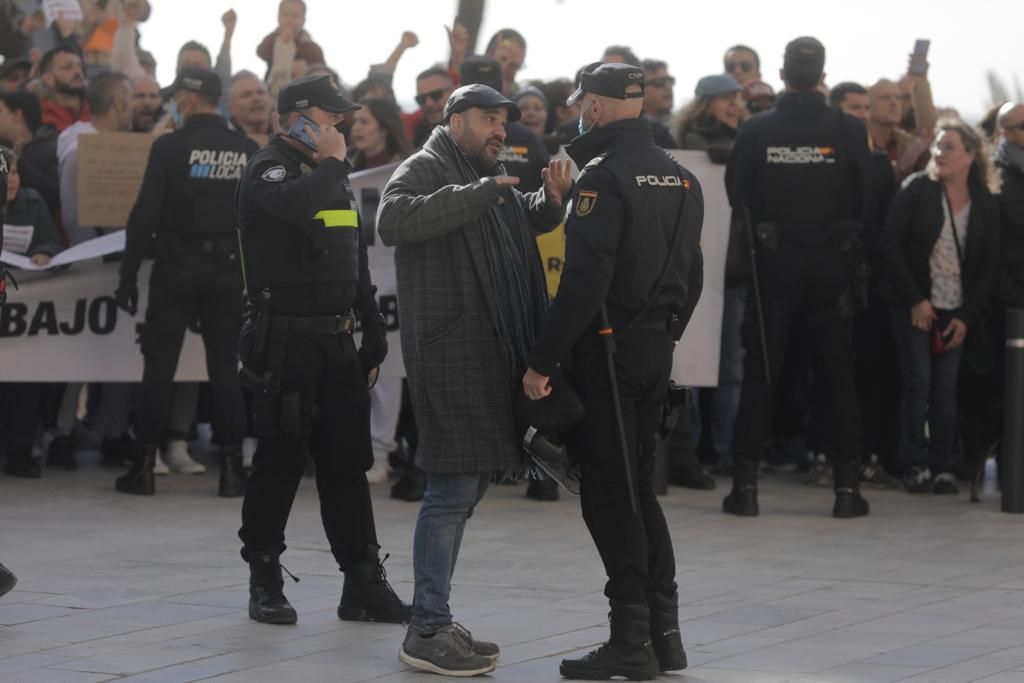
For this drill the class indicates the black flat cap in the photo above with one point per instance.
(479, 96)
(608, 80)
(314, 91)
(201, 81)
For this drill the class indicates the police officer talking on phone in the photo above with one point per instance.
(184, 213)
(634, 271)
(308, 283)
(801, 172)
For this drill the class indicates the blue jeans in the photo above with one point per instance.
(448, 502)
(929, 393)
(725, 400)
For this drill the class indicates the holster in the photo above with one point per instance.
(262, 350)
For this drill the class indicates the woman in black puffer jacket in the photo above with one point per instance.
(941, 257)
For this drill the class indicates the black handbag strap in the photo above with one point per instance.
(956, 239)
(665, 269)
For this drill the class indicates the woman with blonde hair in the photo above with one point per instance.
(941, 259)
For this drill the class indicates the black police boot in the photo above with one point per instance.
(60, 455)
(267, 603)
(628, 653)
(367, 595)
(742, 501)
(139, 478)
(232, 474)
(665, 635)
(7, 580)
(20, 463)
(544, 490)
(410, 486)
(849, 502)
(117, 452)
(689, 474)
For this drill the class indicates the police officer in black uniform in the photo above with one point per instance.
(184, 215)
(633, 257)
(801, 171)
(308, 283)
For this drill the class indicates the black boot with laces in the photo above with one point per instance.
(628, 653)
(267, 603)
(367, 595)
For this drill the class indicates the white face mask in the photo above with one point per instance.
(582, 127)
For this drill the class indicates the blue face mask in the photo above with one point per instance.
(176, 115)
(582, 127)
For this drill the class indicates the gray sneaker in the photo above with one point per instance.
(820, 472)
(447, 652)
(480, 647)
(875, 476)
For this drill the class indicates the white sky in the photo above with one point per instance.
(865, 40)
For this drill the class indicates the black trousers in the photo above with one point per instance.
(335, 428)
(636, 549)
(198, 288)
(800, 281)
(879, 384)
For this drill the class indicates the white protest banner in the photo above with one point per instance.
(368, 186)
(90, 249)
(69, 10)
(695, 362)
(65, 327)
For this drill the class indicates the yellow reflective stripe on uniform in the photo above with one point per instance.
(339, 218)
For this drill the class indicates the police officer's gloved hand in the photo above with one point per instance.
(373, 350)
(127, 297)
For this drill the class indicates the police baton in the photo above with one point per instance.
(758, 306)
(608, 334)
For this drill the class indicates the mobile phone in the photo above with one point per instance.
(298, 132)
(919, 57)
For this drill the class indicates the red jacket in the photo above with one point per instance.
(60, 117)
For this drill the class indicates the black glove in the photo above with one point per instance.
(127, 297)
(373, 350)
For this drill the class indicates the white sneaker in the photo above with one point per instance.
(248, 450)
(159, 466)
(178, 460)
(378, 474)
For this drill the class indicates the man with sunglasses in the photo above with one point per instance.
(659, 98)
(433, 88)
(742, 63)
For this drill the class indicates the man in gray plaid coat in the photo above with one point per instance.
(472, 296)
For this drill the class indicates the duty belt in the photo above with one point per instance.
(332, 324)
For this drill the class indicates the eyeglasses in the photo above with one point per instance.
(739, 66)
(661, 82)
(1016, 126)
(433, 96)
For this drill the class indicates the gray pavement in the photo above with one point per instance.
(114, 587)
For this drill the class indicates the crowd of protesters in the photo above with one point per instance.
(942, 239)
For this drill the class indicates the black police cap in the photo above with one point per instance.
(805, 55)
(609, 80)
(201, 81)
(314, 91)
(479, 96)
(482, 70)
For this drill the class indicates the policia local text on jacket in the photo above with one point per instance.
(801, 169)
(184, 213)
(306, 270)
(627, 215)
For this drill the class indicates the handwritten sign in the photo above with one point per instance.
(110, 170)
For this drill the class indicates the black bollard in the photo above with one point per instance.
(1011, 466)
